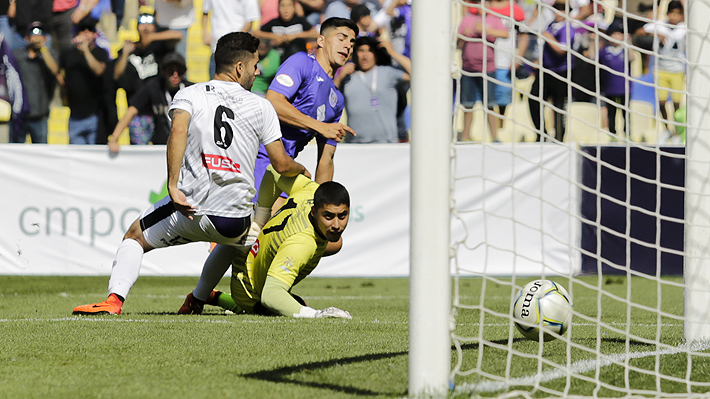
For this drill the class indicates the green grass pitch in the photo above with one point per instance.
(151, 352)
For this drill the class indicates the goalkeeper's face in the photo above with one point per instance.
(331, 220)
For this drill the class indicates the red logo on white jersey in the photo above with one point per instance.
(255, 248)
(220, 163)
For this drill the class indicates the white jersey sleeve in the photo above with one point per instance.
(272, 128)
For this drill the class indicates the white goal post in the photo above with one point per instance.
(697, 203)
(470, 256)
(429, 333)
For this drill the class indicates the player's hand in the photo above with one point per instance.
(335, 131)
(307, 173)
(333, 312)
(180, 202)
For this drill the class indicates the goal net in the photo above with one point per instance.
(579, 155)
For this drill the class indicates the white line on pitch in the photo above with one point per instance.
(578, 367)
(310, 297)
(183, 319)
(613, 323)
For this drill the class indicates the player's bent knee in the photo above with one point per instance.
(136, 233)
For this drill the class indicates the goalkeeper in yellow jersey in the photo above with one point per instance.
(287, 249)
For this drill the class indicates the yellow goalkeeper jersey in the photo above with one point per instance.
(288, 248)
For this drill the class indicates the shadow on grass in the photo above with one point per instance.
(175, 313)
(282, 374)
(286, 374)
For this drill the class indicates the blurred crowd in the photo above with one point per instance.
(571, 52)
(59, 52)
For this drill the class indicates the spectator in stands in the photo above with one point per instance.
(61, 22)
(538, 16)
(394, 20)
(84, 64)
(288, 33)
(154, 98)
(369, 86)
(225, 16)
(269, 62)
(7, 11)
(27, 12)
(360, 14)
(615, 83)
(395, 17)
(343, 8)
(669, 43)
(35, 63)
(581, 9)
(508, 52)
(639, 38)
(584, 67)
(269, 10)
(546, 86)
(175, 15)
(136, 63)
(311, 10)
(475, 53)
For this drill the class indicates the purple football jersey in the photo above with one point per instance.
(305, 84)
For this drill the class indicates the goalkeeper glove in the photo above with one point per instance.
(310, 313)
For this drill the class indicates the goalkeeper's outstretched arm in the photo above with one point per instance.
(276, 298)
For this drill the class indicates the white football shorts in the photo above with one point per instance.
(164, 226)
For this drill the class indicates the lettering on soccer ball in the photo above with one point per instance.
(525, 311)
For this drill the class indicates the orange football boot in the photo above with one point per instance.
(112, 305)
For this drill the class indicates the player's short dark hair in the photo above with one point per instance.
(675, 5)
(331, 193)
(233, 48)
(335, 23)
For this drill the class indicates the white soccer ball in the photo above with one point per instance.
(542, 304)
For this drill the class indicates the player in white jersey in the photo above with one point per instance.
(216, 131)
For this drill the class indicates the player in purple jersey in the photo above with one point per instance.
(308, 105)
(307, 101)
(216, 129)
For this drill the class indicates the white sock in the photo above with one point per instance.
(215, 267)
(126, 266)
